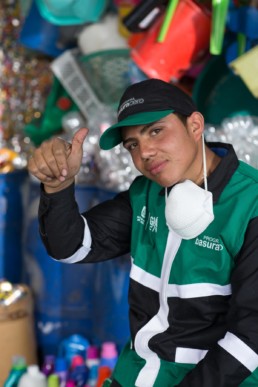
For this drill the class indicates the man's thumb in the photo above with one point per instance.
(79, 138)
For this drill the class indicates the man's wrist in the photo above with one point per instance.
(61, 187)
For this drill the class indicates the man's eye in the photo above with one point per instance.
(155, 131)
(131, 146)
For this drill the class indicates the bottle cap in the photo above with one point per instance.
(77, 360)
(92, 352)
(108, 350)
(18, 362)
(33, 369)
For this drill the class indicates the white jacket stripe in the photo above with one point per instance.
(240, 351)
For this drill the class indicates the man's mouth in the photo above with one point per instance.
(156, 168)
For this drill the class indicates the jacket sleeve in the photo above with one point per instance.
(105, 228)
(235, 356)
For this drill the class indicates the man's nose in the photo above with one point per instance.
(147, 149)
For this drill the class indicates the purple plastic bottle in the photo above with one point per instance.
(48, 365)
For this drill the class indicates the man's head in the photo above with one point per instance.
(146, 102)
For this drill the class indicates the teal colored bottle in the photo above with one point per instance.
(19, 368)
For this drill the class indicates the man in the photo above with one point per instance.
(190, 222)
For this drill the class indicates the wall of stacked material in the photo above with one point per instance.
(25, 80)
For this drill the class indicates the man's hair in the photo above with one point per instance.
(182, 117)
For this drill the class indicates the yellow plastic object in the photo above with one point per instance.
(6, 160)
(246, 66)
(123, 11)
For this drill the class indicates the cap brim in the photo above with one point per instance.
(112, 135)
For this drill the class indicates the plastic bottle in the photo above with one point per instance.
(61, 369)
(109, 355)
(92, 362)
(104, 372)
(48, 365)
(79, 375)
(93, 376)
(73, 345)
(18, 369)
(53, 380)
(33, 377)
(92, 356)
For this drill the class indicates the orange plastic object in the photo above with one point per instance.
(187, 40)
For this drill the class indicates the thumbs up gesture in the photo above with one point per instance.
(56, 162)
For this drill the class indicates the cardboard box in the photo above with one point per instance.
(17, 332)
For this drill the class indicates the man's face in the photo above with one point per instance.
(165, 151)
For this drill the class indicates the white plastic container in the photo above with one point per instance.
(33, 378)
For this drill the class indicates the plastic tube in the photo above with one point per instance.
(218, 24)
(167, 20)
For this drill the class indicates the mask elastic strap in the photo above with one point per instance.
(204, 164)
(166, 194)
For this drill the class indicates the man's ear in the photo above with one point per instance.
(195, 124)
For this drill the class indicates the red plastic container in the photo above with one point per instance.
(187, 40)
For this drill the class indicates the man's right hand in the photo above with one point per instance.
(56, 162)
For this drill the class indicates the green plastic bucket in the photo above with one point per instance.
(219, 93)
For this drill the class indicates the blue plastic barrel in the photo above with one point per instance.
(12, 193)
(111, 322)
(110, 313)
(75, 299)
(63, 293)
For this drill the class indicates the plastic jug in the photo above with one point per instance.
(33, 377)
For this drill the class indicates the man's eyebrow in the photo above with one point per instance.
(142, 131)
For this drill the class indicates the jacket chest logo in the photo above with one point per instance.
(150, 222)
(209, 243)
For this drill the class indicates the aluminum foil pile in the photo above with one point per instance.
(112, 170)
(242, 133)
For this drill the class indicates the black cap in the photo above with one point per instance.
(145, 102)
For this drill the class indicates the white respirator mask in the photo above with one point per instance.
(189, 208)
